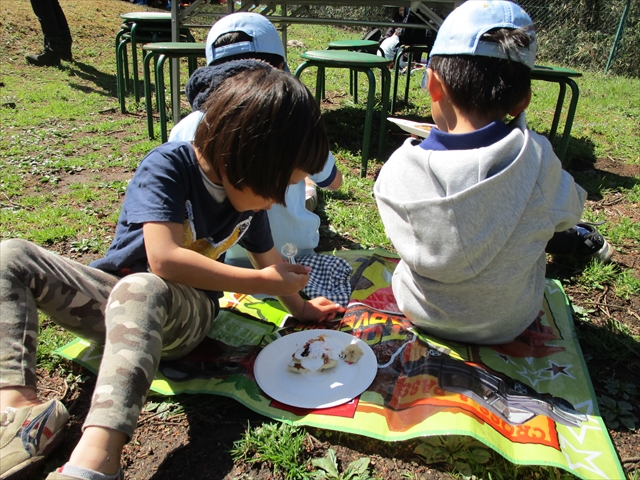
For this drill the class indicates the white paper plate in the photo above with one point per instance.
(315, 389)
(412, 127)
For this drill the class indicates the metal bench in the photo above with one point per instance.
(563, 77)
(160, 52)
(357, 61)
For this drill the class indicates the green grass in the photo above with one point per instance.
(279, 445)
(282, 448)
(350, 213)
(50, 338)
(597, 276)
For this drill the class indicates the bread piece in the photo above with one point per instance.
(352, 353)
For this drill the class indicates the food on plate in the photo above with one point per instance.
(322, 353)
(317, 354)
(352, 353)
(424, 126)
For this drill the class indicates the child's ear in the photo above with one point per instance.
(521, 106)
(434, 85)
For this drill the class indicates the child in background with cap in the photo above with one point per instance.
(155, 293)
(252, 36)
(471, 208)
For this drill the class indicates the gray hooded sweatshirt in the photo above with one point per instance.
(471, 228)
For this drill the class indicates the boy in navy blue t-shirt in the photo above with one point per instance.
(154, 295)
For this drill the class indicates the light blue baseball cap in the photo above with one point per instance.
(265, 37)
(461, 31)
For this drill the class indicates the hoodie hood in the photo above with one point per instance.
(206, 80)
(471, 228)
(440, 222)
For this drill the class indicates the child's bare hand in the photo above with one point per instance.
(320, 309)
(285, 278)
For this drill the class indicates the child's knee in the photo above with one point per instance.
(13, 250)
(141, 301)
(144, 288)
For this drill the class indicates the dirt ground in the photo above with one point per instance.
(195, 444)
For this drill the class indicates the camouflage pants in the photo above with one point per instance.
(140, 319)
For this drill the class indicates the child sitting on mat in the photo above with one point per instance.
(243, 36)
(471, 208)
(155, 294)
(247, 35)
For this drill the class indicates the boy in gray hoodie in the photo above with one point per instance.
(471, 209)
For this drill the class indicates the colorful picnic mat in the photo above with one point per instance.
(531, 400)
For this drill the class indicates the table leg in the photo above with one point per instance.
(121, 62)
(410, 57)
(147, 93)
(160, 96)
(368, 121)
(302, 67)
(386, 87)
(573, 104)
(134, 62)
(396, 72)
(558, 111)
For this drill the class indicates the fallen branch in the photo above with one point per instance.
(155, 414)
(587, 302)
(12, 204)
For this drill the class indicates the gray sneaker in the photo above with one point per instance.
(593, 243)
(27, 435)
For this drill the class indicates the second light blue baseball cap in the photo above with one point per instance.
(264, 36)
(461, 31)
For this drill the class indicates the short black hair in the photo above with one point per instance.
(486, 85)
(230, 38)
(259, 127)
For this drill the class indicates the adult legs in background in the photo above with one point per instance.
(55, 30)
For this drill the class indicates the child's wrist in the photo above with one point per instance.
(294, 305)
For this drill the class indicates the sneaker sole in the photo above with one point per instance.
(605, 253)
(23, 470)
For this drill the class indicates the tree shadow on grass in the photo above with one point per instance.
(604, 176)
(582, 162)
(331, 240)
(345, 127)
(611, 355)
(106, 83)
(214, 424)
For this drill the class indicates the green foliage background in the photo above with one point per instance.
(573, 33)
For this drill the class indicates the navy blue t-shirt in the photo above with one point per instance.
(483, 137)
(168, 187)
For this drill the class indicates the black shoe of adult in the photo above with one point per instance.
(66, 56)
(65, 52)
(48, 58)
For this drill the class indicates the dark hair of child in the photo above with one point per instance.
(236, 37)
(258, 127)
(492, 86)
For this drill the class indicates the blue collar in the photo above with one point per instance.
(484, 137)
